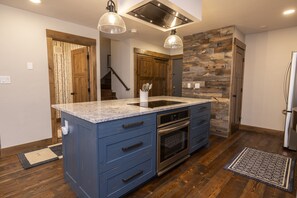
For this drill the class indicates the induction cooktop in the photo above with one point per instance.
(157, 103)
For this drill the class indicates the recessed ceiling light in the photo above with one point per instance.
(133, 30)
(288, 12)
(263, 26)
(36, 1)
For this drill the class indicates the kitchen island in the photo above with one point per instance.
(111, 147)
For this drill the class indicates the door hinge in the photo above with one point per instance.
(88, 56)
(89, 90)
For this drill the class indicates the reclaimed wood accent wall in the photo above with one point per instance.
(207, 64)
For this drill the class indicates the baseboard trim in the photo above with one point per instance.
(25, 147)
(260, 130)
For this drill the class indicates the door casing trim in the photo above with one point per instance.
(52, 35)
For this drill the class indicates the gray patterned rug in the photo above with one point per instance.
(269, 168)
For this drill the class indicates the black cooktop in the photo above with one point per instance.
(157, 103)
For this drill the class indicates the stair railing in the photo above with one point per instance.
(115, 73)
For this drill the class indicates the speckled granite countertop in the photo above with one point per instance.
(102, 111)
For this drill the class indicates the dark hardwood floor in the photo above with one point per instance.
(201, 176)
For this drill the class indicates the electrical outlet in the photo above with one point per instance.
(197, 85)
(189, 85)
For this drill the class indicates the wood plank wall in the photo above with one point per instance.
(208, 58)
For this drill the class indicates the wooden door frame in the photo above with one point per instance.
(170, 59)
(51, 36)
(236, 44)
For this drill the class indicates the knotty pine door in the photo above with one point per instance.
(80, 75)
(150, 69)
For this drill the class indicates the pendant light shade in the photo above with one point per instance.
(111, 22)
(173, 41)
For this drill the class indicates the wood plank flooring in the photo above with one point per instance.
(201, 176)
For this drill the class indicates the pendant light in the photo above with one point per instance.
(111, 22)
(173, 41)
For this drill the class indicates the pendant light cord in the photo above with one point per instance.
(111, 6)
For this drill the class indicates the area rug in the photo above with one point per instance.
(41, 156)
(269, 168)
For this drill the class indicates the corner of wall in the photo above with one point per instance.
(239, 35)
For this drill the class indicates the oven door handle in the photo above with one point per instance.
(173, 127)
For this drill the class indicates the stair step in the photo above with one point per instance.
(107, 94)
(105, 86)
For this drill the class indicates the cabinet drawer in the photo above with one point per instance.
(200, 110)
(125, 125)
(116, 183)
(198, 142)
(118, 149)
(200, 121)
(199, 131)
(198, 137)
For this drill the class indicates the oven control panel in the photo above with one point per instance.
(172, 117)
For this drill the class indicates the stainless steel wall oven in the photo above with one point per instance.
(172, 139)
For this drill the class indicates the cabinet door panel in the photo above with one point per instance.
(198, 137)
(126, 125)
(116, 150)
(199, 110)
(118, 182)
(70, 152)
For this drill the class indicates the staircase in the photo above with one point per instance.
(106, 92)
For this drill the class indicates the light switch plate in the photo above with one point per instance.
(29, 65)
(5, 79)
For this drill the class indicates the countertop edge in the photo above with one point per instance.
(141, 111)
(153, 110)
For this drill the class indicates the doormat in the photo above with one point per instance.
(42, 156)
(269, 168)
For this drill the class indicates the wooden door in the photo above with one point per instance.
(236, 89)
(80, 75)
(160, 77)
(152, 70)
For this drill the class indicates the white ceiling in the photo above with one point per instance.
(247, 15)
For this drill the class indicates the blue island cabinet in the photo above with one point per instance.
(111, 158)
(199, 126)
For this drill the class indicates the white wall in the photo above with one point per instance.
(239, 35)
(25, 103)
(121, 63)
(122, 60)
(267, 56)
(105, 49)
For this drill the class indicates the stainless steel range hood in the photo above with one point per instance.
(164, 15)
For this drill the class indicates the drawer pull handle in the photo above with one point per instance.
(202, 122)
(201, 140)
(202, 108)
(125, 149)
(132, 177)
(131, 125)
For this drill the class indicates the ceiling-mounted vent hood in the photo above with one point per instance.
(164, 15)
